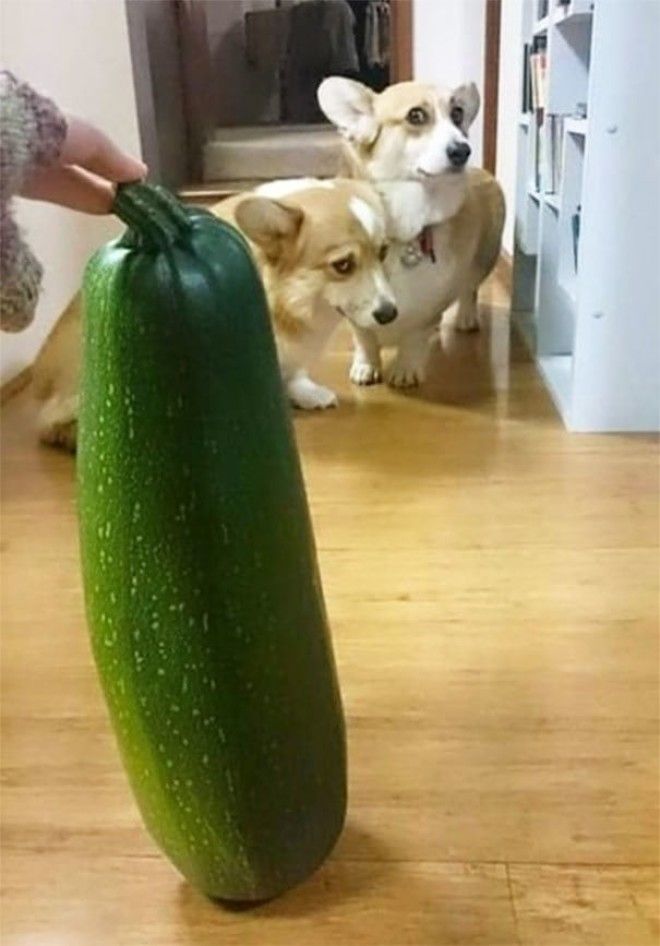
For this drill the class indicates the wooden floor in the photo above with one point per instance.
(492, 584)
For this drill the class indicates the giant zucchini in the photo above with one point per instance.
(202, 591)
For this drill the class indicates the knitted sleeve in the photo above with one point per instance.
(32, 133)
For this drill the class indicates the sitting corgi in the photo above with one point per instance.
(444, 221)
(320, 247)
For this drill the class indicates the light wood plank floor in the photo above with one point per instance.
(492, 584)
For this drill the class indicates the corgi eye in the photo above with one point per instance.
(382, 252)
(417, 116)
(457, 115)
(344, 266)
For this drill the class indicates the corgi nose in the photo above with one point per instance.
(386, 312)
(458, 152)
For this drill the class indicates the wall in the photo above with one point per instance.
(76, 51)
(448, 48)
(509, 107)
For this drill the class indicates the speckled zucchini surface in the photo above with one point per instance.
(202, 591)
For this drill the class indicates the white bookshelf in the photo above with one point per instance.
(591, 312)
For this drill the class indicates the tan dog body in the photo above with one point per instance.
(444, 221)
(340, 221)
(319, 247)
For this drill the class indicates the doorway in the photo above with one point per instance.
(226, 89)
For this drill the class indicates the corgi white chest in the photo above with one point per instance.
(423, 284)
(425, 272)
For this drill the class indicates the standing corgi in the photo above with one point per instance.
(444, 221)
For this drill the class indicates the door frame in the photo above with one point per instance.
(402, 40)
(493, 19)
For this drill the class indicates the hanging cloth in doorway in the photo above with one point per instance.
(377, 33)
(321, 43)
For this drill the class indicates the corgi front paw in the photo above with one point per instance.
(362, 372)
(405, 374)
(63, 435)
(467, 321)
(308, 396)
(58, 423)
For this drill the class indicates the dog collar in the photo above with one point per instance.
(418, 249)
(426, 243)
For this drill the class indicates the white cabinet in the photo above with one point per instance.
(586, 288)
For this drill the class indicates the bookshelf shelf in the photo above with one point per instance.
(586, 284)
(576, 126)
(573, 10)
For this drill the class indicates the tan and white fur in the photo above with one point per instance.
(410, 141)
(319, 246)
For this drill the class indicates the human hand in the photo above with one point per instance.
(85, 175)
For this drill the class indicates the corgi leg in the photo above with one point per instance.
(409, 367)
(57, 422)
(467, 318)
(308, 396)
(366, 367)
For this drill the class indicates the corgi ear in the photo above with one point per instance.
(467, 97)
(269, 224)
(350, 107)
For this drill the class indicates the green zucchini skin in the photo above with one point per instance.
(202, 591)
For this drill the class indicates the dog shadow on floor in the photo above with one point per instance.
(469, 370)
(447, 427)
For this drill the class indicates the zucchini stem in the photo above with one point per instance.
(152, 212)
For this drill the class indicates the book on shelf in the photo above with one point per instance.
(538, 73)
(533, 81)
(534, 74)
(547, 149)
(542, 9)
(538, 156)
(552, 148)
(575, 228)
(546, 156)
(558, 150)
(538, 61)
(526, 81)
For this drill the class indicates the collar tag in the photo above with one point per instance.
(418, 249)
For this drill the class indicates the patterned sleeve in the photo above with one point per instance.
(32, 131)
